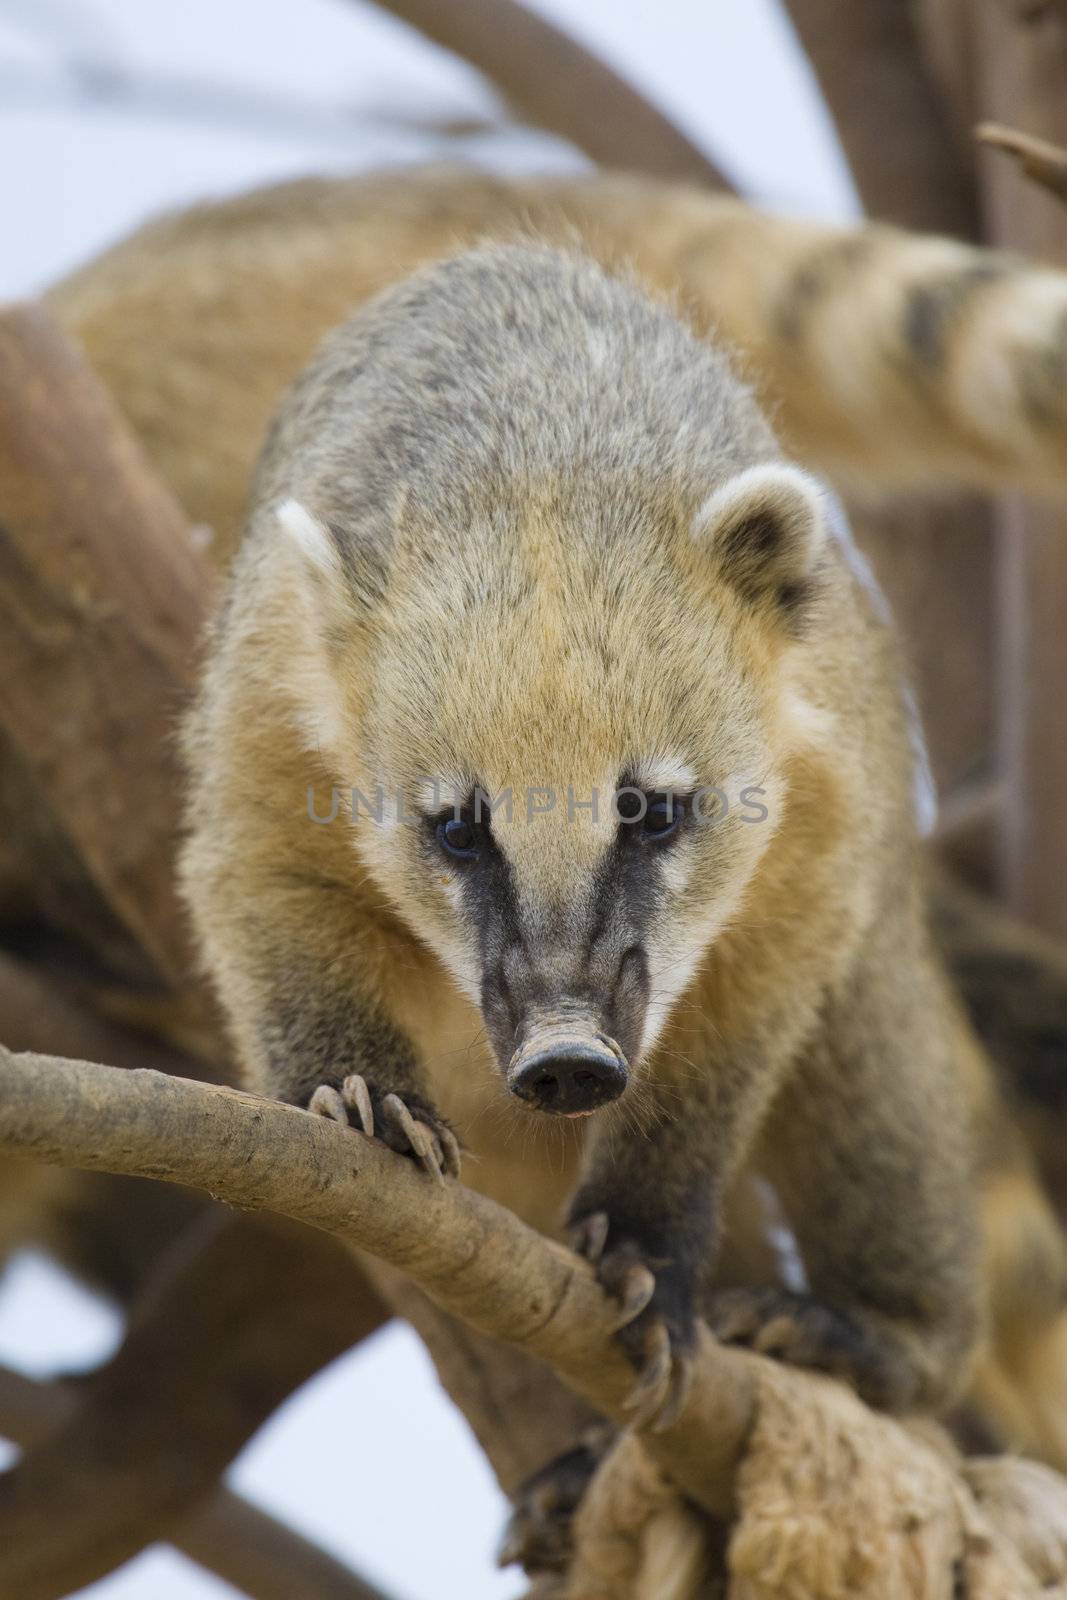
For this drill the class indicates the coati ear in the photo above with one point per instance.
(311, 538)
(766, 527)
(344, 579)
(315, 569)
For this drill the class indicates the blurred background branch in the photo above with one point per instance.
(1039, 159)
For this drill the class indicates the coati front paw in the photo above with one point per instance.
(408, 1127)
(539, 1533)
(804, 1332)
(657, 1320)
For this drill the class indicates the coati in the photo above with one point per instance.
(517, 533)
(882, 356)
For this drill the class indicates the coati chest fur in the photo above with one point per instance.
(552, 791)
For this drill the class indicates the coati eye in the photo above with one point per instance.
(458, 837)
(658, 815)
(664, 816)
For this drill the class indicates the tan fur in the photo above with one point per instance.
(515, 528)
(871, 348)
(880, 357)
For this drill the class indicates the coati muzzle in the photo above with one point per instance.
(566, 1047)
(567, 1071)
(565, 982)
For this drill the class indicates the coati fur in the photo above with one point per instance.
(883, 358)
(517, 532)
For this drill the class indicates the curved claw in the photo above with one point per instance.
(634, 1294)
(589, 1236)
(450, 1150)
(678, 1390)
(652, 1389)
(326, 1102)
(356, 1096)
(417, 1135)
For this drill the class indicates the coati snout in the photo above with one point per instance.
(565, 1060)
(564, 983)
(568, 1075)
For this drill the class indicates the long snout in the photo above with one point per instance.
(567, 1067)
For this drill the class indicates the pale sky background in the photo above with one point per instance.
(113, 109)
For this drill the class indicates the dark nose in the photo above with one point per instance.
(569, 1081)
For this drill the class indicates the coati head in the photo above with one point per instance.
(554, 573)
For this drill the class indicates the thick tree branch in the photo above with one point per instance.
(475, 1259)
(892, 122)
(828, 1496)
(933, 560)
(1021, 71)
(212, 1347)
(558, 85)
(223, 1532)
(102, 598)
(517, 1408)
(212, 1350)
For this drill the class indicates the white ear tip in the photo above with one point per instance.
(758, 482)
(308, 534)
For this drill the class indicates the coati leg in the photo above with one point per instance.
(863, 1131)
(1013, 981)
(1018, 1399)
(539, 1534)
(867, 1147)
(656, 1194)
(347, 1062)
(645, 1215)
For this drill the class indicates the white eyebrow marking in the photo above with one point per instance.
(446, 791)
(670, 774)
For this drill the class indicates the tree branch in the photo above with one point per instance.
(102, 599)
(874, 1506)
(517, 1408)
(900, 146)
(211, 1351)
(471, 1256)
(224, 1532)
(211, 1348)
(1043, 162)
(934, 561)
(560, 86)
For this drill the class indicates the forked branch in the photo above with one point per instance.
(823, 1495)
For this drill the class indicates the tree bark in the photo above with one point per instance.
(1022, 67)
(520, 1413)
(473, 1258)
(102, 598)
(212, 1349)
(908, 165)
(558, 85)
(935, 561)
(244, 1546)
